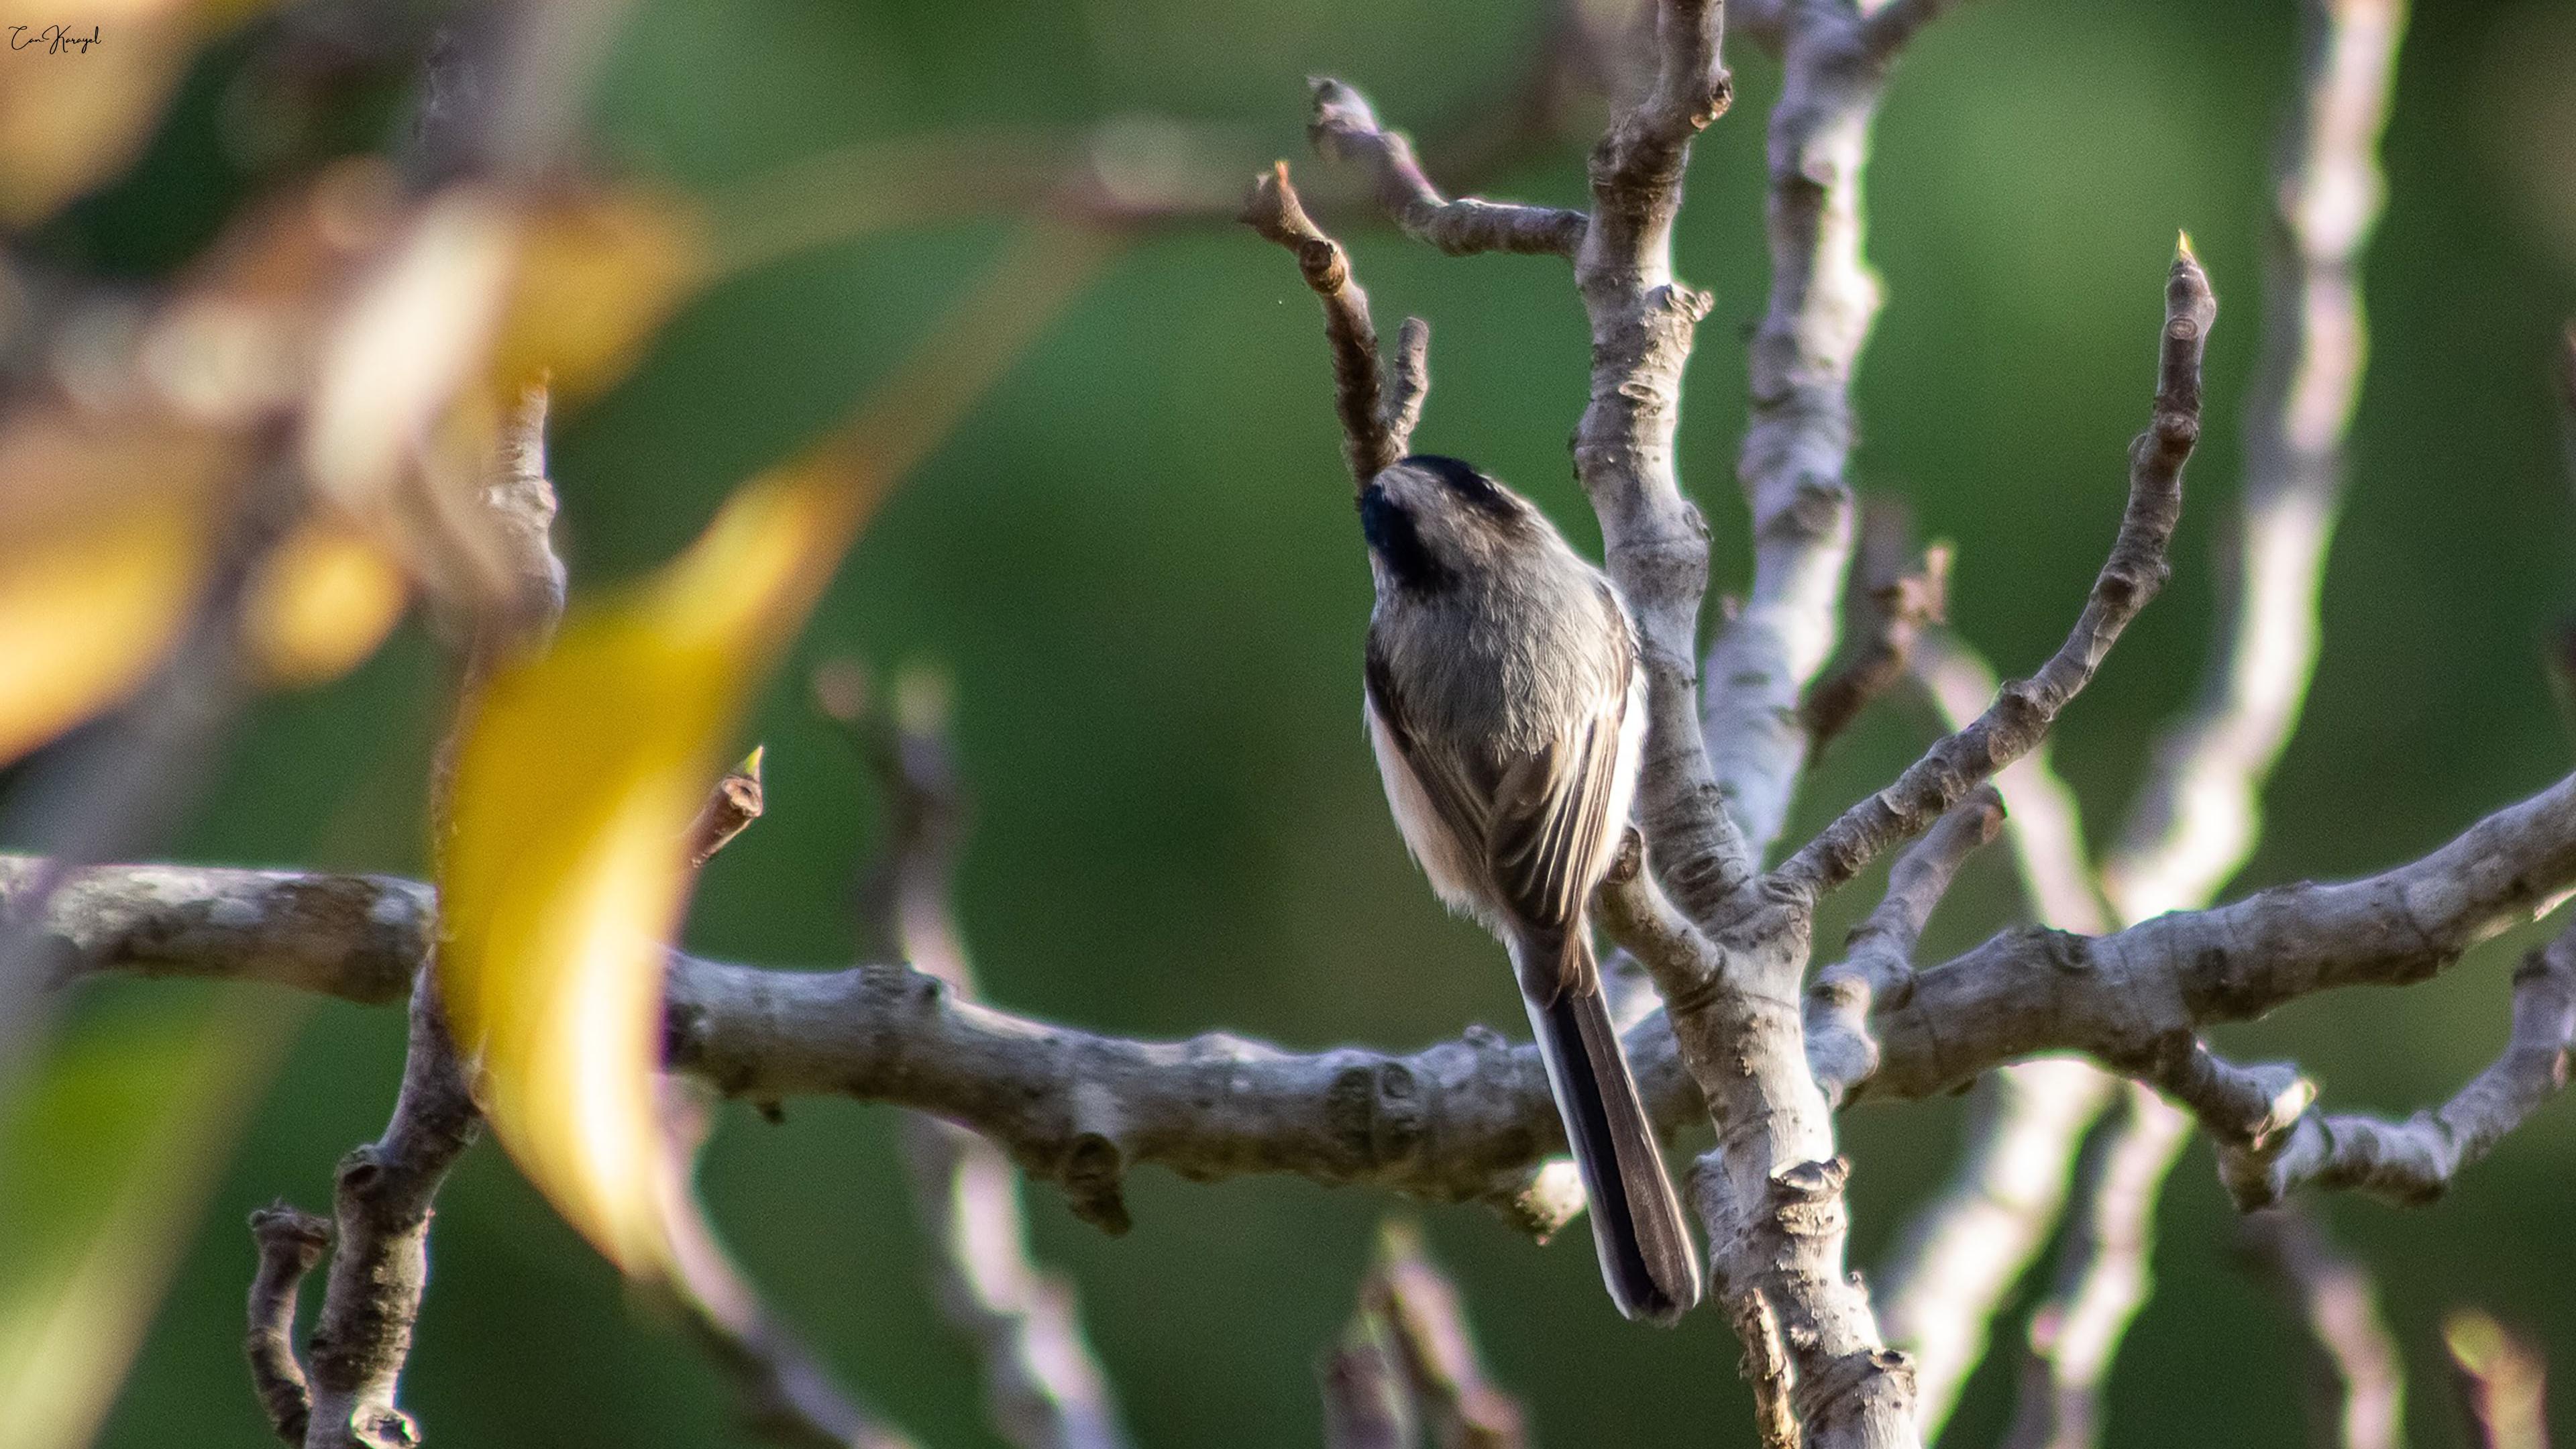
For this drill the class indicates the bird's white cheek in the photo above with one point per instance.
(1425, 833)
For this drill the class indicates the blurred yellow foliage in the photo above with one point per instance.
(565, 870)
(324, 598)
(74, 114)
(104, 545)
(598, 274)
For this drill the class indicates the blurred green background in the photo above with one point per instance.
(1138, 560)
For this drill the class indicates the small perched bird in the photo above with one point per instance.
(1506, 710)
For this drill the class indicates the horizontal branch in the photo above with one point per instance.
(2414, 1161)
(2137, 997)
(1462, 1120)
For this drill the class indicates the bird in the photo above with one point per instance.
(1506, 710)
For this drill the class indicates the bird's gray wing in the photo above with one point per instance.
(1551, 814)
(1461, 789)
(1536, 819)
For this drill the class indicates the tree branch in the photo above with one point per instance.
(2022, 713)
(785, 1395)
(2133, 998)
(290, 1241)
(1900, 594)
(1965, 1249)
(380, 1268)
(1878, 962)
(2502, 1382)
(1378, 413)
(1346, 129)
(1958, 1256)
(1797, 448)
(1045, 1389)
(2196, 818)
(2102, 1277)
(381, 1200)
(2262, 1159)
(1433, 1348)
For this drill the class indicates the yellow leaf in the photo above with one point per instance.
(324, 598)
(104, 540)
(565, 865)
(566, 871)
(80, 90)
(598, 274)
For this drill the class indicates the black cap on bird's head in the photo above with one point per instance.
(1426, 515)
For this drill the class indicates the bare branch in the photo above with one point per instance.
(731, 806)
(1901, 592)
(1435, 1350)
(383, 1192)
(2044, 826)
(1370, 407)
(2501, 1381)
(2196, 817)
(1878, 961)
(1045, 1388)
(1654, 541)
(1345, 128)
(2135, 997)
(2023, 712)
(1797, 449)
(2356, 1384)
(1443, 1124)
(785, 1394)
(2102, 1277)
(2413, 1161)
(380, 1269)
(290, 1241)
(1364, 1405)
(1966, 1248)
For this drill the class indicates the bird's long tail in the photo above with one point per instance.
(1647, 1259)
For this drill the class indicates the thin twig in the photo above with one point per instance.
(1377, 412)
(786, 1394)
(1901, 592)
(2102, 1277)
(731, 806)
(1364, 1402)
(1433, 1347)
(1878, 960)
(1346, 129)
(290, 1241)
(2022, 713)
(1044, 1386)
(2262, 1158)
(381, 1201)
